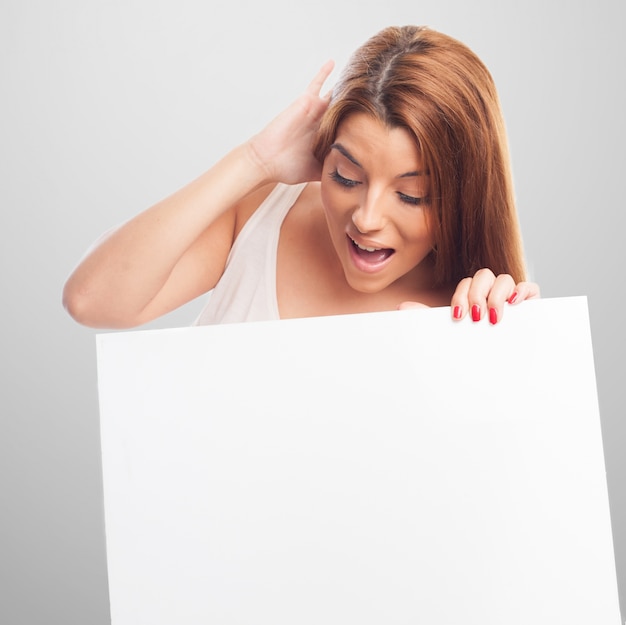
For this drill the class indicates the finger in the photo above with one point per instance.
(459, 303)
(524, 291)
(315, 86)
(480, 287)
(500, 292)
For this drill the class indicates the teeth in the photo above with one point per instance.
(367, 249)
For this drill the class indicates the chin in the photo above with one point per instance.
(366, 286)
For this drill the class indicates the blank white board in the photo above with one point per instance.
(392, 468)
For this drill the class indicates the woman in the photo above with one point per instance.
(393, 192)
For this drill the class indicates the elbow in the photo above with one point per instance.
(96, 310)
(78, 304)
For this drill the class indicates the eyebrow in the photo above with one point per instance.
(342, 150)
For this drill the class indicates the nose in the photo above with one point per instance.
(369, 216)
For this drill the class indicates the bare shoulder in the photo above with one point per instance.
(306, 215)
(305, 210)
(246, 207)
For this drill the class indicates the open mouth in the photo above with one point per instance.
(370, 255)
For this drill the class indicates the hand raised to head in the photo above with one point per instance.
(283, 149)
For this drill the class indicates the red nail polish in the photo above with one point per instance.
(475, 312)
(457, 313)
(513, 298)
(493, 316)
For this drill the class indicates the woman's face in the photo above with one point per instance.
(374, 190)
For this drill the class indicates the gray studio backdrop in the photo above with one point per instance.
(109, 106)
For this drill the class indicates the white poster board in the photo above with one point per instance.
(392, 468)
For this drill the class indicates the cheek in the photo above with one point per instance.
(420, 236)
(428, 226)
(333, 201)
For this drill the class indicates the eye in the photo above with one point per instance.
(344, 182)
(409, 199)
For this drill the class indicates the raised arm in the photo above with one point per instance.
(177, 249)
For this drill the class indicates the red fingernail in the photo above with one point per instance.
(458, 312)
(475, 312)
(493, 316)
(513, 298)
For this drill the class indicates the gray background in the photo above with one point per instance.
(106, 107)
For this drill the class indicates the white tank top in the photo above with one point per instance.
(247, 289)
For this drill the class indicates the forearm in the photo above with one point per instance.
(159, 259)
(128, 269)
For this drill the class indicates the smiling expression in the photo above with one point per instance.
(374, 192)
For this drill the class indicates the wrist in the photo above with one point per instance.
(258, 167)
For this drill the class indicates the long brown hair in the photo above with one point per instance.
(438, 90)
